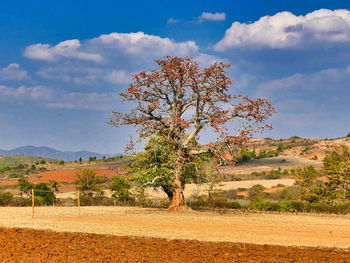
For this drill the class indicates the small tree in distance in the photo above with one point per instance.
(179, 100)
(88, 183)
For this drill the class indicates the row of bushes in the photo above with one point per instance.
(247, 155)
(300, 206)
(199, 203)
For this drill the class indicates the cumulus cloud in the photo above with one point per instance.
(286, 30)
(13, 72)
(206, 16)
(25, 93)
(118, 55)
(143, 45)
(67, 49)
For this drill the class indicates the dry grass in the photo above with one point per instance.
(259, 228)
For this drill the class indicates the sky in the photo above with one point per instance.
(64, 63)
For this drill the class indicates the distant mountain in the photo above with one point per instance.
(54, 154)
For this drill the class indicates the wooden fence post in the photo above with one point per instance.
(32, 203)
(79, 203)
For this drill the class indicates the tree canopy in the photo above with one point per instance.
(178, 100)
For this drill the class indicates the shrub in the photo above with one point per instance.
(121, 188)
(88, 183)
(44, 194)
(14, 175)
(264, 205)
(5, 199)
(256, 191)
(203, 202)
(306, 176)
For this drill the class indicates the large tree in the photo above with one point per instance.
(179, 100)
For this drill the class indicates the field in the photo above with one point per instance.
(21, 245)
(132, 234)
(233, 234)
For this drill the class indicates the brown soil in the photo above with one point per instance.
(26, 245)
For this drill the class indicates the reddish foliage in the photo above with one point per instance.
(179, 100)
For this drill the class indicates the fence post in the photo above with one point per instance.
(32, 203)
(79, 203)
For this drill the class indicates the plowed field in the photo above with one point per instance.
(25, 245)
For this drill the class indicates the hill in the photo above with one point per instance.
(53, 153)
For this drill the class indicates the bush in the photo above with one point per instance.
(256, 191)
(203, 202)
(121, 188)
(264, 205)
(14, 175)
(5, 199)
(43, 194)
(291, 193)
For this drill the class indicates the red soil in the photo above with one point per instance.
(62, 176)
(68, 176)
(26, 245)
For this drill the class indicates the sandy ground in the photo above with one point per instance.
(267, 164)
(258, 228)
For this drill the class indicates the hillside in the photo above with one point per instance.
(53, 153)
(288, 154)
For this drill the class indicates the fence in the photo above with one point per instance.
(33, 201)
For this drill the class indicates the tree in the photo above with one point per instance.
(121, 188)
(54, 185)
(306, 176)
(179, 100)
(25, 186)
(154, 167)
(44, 194)
(336, 168)
(88, 182)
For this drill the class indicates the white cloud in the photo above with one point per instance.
(67, 49)
(13, 72)
(206, 16)
(143, 45)
(118, 76)
(35, 93)
(286, 30)
(121, 54)
(206, 60)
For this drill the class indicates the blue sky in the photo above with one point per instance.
(63, 63)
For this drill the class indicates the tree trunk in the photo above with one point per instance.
(168, 192)
(178, 201)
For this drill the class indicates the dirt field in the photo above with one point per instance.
(24, 245)
(267, 164)
(259, 228)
